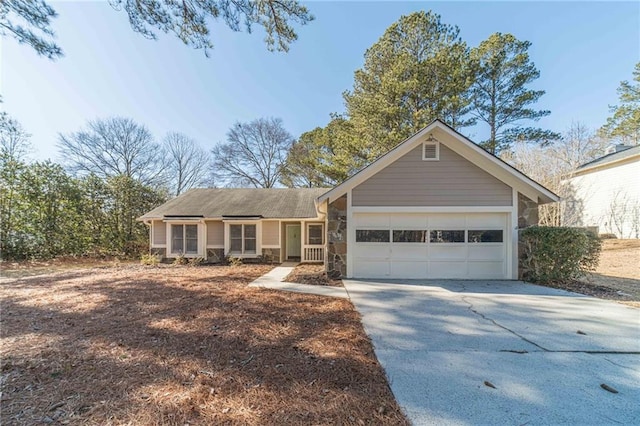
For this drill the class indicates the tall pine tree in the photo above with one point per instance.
(500, 95)
(418, 71)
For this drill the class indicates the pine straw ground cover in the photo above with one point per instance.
(183, 345)
(314, 274)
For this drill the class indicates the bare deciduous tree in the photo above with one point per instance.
(14, 140)
(186, 163)
(551, 165)
(253, 154)
(579, 145)
(113, 147)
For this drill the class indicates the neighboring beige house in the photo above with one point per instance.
(436, 206)
(606, 193)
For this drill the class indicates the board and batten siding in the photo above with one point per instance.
(270, 233)
(450, 181)
(215, 233)
(159, 233)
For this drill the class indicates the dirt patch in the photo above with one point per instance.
(183, 345)
(306, 273)
(617, 276)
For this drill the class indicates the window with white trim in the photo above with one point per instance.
(184, 239)
(430, 151)
(315, 234)
(242, 239)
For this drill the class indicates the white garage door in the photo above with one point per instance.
(460, 245)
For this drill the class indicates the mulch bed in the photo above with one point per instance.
(183, 345)
(313, 274)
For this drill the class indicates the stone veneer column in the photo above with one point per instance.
(527, 216)
(337, 238)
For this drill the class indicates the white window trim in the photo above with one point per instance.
(201, 238)
(227, 238)
(324, 237)
(437, 145)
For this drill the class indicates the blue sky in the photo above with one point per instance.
(583, 50)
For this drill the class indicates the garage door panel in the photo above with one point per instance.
(447, 269)
(408, 221)
(447, 221)
(486, 269)
(379, 221)
(486, 252)
(484, 220)
(403, 269)
(447, 252)
(365, 268)
(373, 250)
(409, 251)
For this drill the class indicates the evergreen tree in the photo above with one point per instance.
(500, 95)
(418, 71)
(624, 124)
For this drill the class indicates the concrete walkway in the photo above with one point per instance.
(274, 280)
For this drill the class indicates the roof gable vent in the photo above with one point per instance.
(431, 151)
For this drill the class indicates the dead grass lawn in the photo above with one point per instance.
(183, 345)
(617, 276)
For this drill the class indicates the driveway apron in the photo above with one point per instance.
(503, 352)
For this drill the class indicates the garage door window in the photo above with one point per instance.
(372, 236)
(404, 236)
(448, 236)
(486, 236)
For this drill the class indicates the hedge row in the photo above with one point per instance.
(558, 254)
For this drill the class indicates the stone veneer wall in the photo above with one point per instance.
(527, 216)
(215, 255)
(271, 255)
(161, 252)
(337, 238)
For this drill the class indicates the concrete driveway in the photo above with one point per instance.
(503, 352)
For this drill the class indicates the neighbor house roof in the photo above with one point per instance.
(609, 159)
(464, 147)
(240, 202)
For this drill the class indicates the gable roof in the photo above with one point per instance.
(461, 145)
(240, 202)
(614, 157)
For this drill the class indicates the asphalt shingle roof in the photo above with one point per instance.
(218, 202)
(615, 156)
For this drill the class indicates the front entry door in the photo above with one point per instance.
(293, 241)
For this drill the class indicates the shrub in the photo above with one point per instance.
(196, 261)
(234, 261)
(558, 254)
(180, 260)
(149, 259)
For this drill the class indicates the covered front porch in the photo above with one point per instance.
(302, 241)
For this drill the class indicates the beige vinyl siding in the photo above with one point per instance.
(215, 233)
(270, 231)
(159, 233)
(451, 181)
